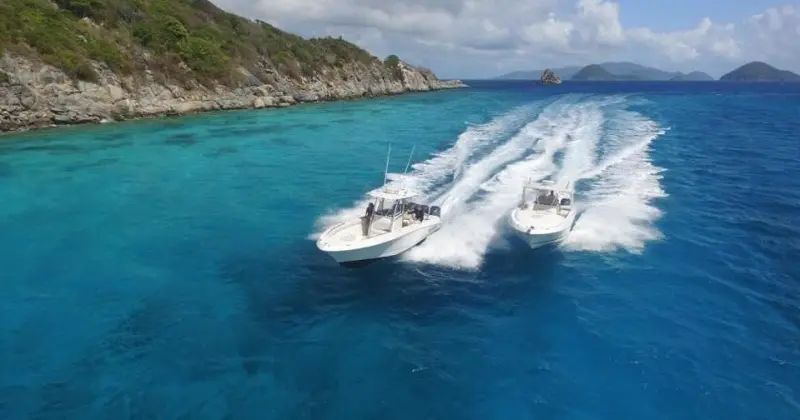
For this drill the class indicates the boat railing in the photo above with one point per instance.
(337, 228)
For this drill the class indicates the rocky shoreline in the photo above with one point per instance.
(35, 95)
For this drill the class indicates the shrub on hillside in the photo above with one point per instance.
(81, 8)
(392, 62)
(204, 57)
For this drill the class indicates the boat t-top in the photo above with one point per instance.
(391, 224)
(545, 214)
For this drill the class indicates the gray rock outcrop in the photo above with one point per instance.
(549, 78)
(34, 94)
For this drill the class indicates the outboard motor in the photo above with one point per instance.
(435, 211)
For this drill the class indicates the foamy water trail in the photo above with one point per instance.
(595, 142)
(618, 207)
(444, 166)
(477, 204)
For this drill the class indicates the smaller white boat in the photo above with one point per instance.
(545, 214)
(391, 225)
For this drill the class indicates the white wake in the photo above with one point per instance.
(596, 142)
(477, 202)
(443, 167)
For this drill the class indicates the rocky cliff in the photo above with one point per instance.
(68, 62)
(34, 94)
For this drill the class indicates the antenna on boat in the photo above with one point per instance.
(408, 165)
(386, 170)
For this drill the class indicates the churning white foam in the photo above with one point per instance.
(596, 142)
(446, 165)
(618, 207)
(476, 204)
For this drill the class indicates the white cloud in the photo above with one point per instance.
(706, 39)
(774, 36)
(480, 38)
(599, 23)
(550, 33)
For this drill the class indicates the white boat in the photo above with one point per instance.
(391, 225)
(545, 214)
(395, 225)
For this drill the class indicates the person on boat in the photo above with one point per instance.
(549, 199)
(552, 198)
(370, 211)
(367, 219)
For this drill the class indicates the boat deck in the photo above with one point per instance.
(541, 218)
(350, 234)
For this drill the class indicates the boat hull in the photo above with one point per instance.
(391, 248)
(539, 240)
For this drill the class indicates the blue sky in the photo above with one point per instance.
(479, 38)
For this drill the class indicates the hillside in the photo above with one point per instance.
(72, 61)
(594, 72)
(760, 72)
(695, 76)
(632, 71)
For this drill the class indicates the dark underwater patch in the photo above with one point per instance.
(222, 151)
(5, 170)
(182, 140)
(87, 165)
(51, 148)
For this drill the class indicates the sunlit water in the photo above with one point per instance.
(167, 269)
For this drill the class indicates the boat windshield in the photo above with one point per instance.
(545, 197)
(389, 208)
(540, 196)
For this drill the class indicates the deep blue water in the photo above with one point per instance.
(167, 269)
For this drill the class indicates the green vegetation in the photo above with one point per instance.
(392, 63)
(58, 37)
(4, 78)
(70, 34)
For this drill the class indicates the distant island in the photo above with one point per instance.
(76, 61)
(626, 71)
(695, 76)
(565, 73)
(760, 72)
(609, 71)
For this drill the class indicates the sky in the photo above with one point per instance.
(486, 38)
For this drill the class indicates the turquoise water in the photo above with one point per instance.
(167, 269)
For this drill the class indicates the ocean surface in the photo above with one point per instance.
(167, 268)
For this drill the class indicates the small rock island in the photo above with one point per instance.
(549, 77)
